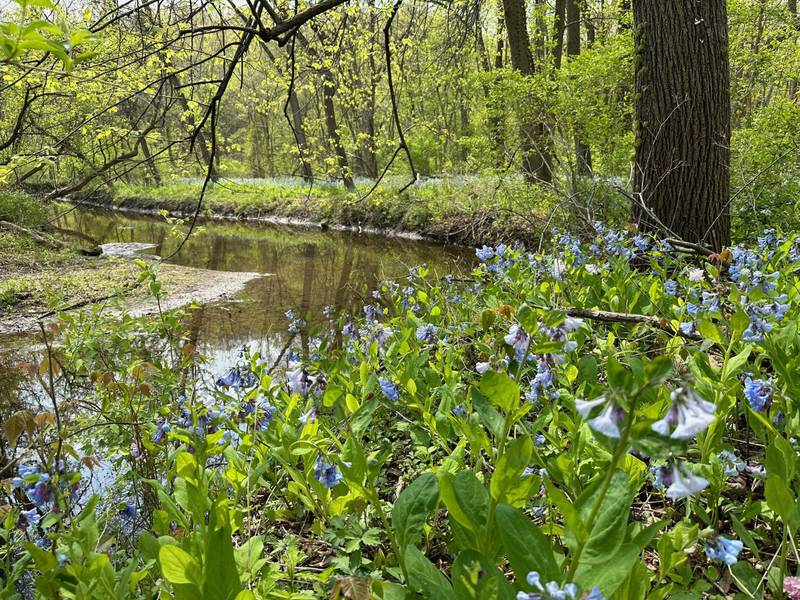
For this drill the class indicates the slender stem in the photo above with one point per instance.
(620, 450)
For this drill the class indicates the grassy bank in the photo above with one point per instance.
(35, 278)
(465, 211)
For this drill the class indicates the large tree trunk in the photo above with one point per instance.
(534, 135)
(583, 155)
(683, 119)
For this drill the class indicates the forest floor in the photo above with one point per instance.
(468, 212)
(38, 282)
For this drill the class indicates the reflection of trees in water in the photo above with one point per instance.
(10, 380)
(309, 269)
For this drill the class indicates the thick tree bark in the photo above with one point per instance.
(683, 116)
(534, 135)
(583, 154)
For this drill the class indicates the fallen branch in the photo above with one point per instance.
(41, 238)
(617, 317)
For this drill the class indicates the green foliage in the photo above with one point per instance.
(441, 447)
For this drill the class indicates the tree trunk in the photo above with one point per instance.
(683, 116)
(533, 133)
(150, 162)
(591, 30)
(558, 28)
(300, 137)
(201, 143)
(495, 106)
(583, 154)
(328, 91)
(795, 17)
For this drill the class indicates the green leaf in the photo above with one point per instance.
(610, 525)
(412, 508)
(528, 549)
(491, 419)
(466, 499)
(361, 419)
(779, 496)
(424, 578)
(177, 566)
(475, 576)
(609, 574)
(501, 390)
(222, 576)
(780, 458)
(736, 362)
(507, 475)
(710, 331)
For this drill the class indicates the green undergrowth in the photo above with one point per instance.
(472, 212)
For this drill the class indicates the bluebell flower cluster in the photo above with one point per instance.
(427, 333)
(758, 393)
(238, 378)
(519, 340)
(554, 591)
(608, 417)
(296, 324)
(389, 390)
(542, 384)
(724, 550)
(732, 465)
(327, 474)
(678, 481)
(687, 416)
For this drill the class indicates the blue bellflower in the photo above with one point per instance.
(758, 393)
(725, 550)
(327, 474)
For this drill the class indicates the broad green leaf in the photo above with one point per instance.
(413, 507)
(466, 499)
(491, 419)
(610, 525)
(177, 565)
(424, 578)
(608, 575)
(779, 496)
(507, 475)
(528, 549)
(501, 390)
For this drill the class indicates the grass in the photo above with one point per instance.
(461, 210)
(34, 278)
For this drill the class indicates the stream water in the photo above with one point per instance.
(309, 270)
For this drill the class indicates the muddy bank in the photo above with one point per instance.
(112, 282)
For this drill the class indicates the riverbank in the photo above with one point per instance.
(463, 212)
(37, 282)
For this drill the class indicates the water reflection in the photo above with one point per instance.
(309, 268)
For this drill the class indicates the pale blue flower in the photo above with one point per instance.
(758, 393)
(725, 550)
(687, 416)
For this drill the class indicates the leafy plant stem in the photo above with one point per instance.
(619, 452)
